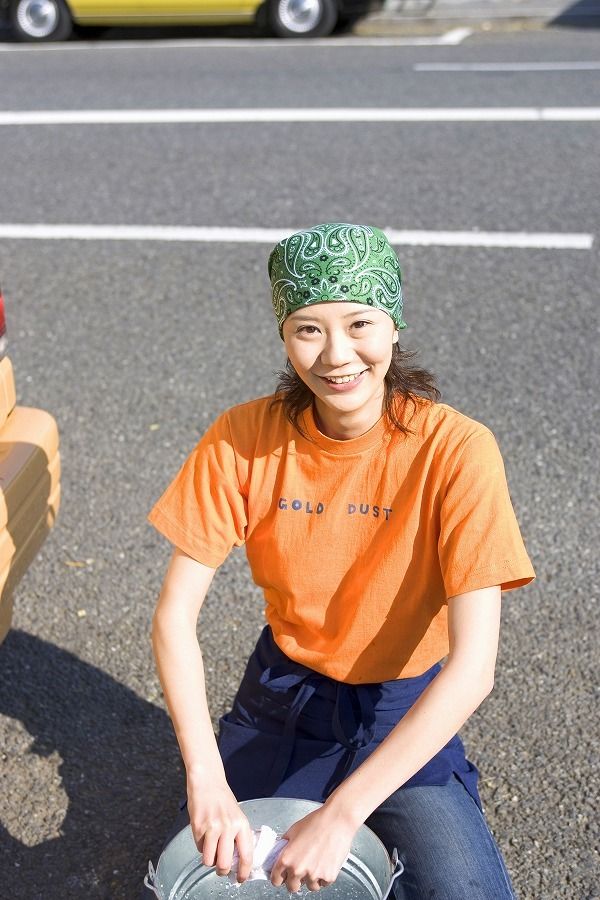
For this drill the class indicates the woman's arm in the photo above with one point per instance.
(319, 843)
(217, 821)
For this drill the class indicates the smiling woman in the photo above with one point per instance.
(358, 345)
(379, 524)
(400, 378)
(342, 355)
(53, 20)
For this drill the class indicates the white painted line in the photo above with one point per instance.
(514, 240)
(572, 114)
(453, 37)
(215, 116)
(456, 36)
(510, 239)
(590, 66)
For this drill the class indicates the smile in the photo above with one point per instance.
(343, 379)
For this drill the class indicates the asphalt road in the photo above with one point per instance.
(137, 346)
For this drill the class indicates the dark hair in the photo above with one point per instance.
(401, 380)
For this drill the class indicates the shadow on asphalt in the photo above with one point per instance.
(150, 34)
(582, 14)
(120, 770)
(176, 32)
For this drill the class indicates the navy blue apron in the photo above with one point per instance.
(293, 732)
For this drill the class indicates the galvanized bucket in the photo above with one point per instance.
(367, 874)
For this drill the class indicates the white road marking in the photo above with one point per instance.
(515, 240)
(456, 36)
(265, 116)
(453, 37)
(590, 66)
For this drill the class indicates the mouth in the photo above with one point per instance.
(342, 379)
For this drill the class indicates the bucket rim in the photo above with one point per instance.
(170, 891)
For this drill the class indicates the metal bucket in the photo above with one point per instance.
(367, 874)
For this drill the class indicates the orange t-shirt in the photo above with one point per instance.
(357, 544)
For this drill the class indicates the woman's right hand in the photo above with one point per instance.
(219, 825)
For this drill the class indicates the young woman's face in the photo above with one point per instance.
(342, 352)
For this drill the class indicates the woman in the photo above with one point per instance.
(378, 522)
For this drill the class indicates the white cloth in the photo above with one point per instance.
(267, 847)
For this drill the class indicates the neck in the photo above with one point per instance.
(344, 426)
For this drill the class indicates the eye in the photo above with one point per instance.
(307, 329)
(360, 323)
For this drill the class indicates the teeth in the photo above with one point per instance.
(345, 378)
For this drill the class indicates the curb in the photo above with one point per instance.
(414, 17)
(396, 27)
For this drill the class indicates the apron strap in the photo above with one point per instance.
(353, 720)
(286, 746)
(353, 716)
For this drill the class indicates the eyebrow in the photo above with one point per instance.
(307, 318)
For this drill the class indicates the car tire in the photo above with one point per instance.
(89, 32)
(40, 20)
(262, 24)
(302, 18)
(345, 24)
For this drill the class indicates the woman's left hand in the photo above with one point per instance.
(318, 846)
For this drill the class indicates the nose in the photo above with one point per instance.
(337, 351)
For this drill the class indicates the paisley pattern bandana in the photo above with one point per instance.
(350, 263)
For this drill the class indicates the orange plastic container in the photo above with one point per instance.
(7, 390)
(29, 487)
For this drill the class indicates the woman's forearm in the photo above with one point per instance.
(217, 822)
(443, 707)
(181, 672)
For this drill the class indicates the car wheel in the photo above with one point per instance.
(345, 24)
(40, 20)
(303, 18)
(262, 23)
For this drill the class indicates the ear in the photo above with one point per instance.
(396, 336)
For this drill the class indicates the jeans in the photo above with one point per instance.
(445, 844)
(443, 840)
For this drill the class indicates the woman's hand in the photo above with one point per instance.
(219, 825)
(317, 849)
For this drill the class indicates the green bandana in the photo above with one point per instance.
(351, 263)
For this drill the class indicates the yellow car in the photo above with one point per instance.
(53, 20)
(29, 482)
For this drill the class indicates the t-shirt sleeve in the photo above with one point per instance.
(480, 542)
(204, 511)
